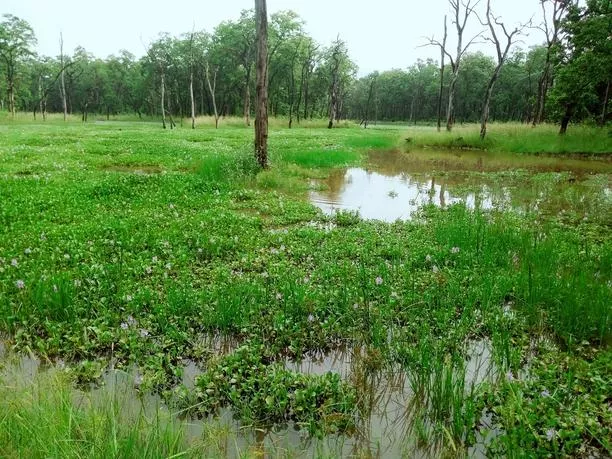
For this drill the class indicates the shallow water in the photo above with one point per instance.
(384, 428)
(395, 184)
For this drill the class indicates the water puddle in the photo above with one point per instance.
(385, 425)
(395, 184)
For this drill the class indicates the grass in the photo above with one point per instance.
(124, 243)
(516, 138)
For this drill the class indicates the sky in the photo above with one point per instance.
(380, 35)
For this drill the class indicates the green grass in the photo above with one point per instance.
(127, 243)
(515, 138)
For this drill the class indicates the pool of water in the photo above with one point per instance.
(394, 184)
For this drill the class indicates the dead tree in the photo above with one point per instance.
(261, 116)
(442, 55)
(551, 30)
(494, 23)
(212, 88)
(462, 10)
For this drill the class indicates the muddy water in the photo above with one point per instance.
(385, 427)
(395, 184)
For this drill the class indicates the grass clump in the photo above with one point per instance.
(265, 394)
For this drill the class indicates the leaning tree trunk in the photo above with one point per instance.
(261, 119)
(487, 103)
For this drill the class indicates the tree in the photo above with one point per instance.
(501, 49)
(582, 86)
(261, 117)
(16, 40)
(461, 11)
(551, 26)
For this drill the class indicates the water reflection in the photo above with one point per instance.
(396, 184)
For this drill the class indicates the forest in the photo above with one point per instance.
(568, 76)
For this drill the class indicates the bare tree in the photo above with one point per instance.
(261, 117)
(462, 10)
(62, 80)
(442, 56)
(496, 26)
(212, 89)
(551, 28)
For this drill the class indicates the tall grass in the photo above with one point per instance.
(515, 138)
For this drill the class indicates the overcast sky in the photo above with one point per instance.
(380, 34)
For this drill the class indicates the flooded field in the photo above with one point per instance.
(387, 422)
(395, 184)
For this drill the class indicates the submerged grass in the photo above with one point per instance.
(126, 243)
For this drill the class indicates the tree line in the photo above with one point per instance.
(213, 73)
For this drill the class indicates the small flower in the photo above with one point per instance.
(274, 251)
(54, 288)
(355, 306)
(545, 393)
(148, 270)
(282, 247)
(128, 298)
(550, 434)
(77, 282)
(311, 318)
(124, 326)
(455, 250)
(168, 266)
(172, 206)
(428, 258)
(43, 236)
(306, 279)
(131, 320)
(27, 251)
(379, 280)
(509, 376)
(435, 269)
(66, 256)
(144, 333)
(265, 274)
(154, 259)
(14, 262)
(20, 284)
(279, 296)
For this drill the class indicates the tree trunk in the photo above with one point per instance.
(569, 111)
(212, 87)
(442, 56)
(604, 111)
(261, 119)
(62, 79)
(193, 114)
(487, 102)
(163, 102)
(247, 98)
(451, 102)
